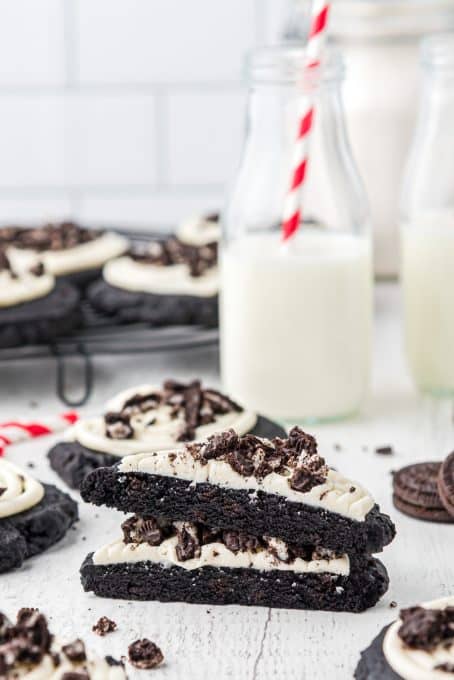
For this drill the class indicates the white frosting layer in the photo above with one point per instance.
(198, 231)
(26, 287)
(214, 555)
(160, 435)
(90, 255)
(175, 279)
(334, 495)
(97, 668)
(21, 491)
(416, 664)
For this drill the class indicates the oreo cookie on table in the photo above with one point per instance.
(33, 516)
(69, 252)
(420, 645)
(33, 307)
(148, 417)
(446, 483)
(416, 492)
(239, 520)
(166, 283)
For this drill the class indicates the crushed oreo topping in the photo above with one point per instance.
(171, 251)
(252, 456)
(103, 626)
(49, 237)
(191, 536)
(194, 405)
(445, 667)
(2, 490)
(144, 654)
(75, 651)
(145, 530)
(26, 642)
(426, 628)
(384, 450)
(118, 426)
(37, 269)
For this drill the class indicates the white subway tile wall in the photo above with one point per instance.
(129, 112)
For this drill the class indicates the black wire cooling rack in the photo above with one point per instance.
(98, 335)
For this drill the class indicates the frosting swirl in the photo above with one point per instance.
(200, 230)
(18, 491)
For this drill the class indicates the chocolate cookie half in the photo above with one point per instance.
(419, 645)
(278, 487)
(415, 492)
(446, 483)
(150, 417)
(167, 283)
(33, 516)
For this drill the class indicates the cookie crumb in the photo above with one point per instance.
(393, 604)
(144, 654)
(384, 450)
(103, 626)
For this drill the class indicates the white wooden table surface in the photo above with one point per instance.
(234, 642)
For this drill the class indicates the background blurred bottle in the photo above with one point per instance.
(428, 226)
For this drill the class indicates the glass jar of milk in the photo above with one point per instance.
(296, 317)
(380, 43)
(428, 226)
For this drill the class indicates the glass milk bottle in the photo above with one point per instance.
(427, 231)
(296, 317)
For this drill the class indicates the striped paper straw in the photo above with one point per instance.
(315, 45)
(14, 431)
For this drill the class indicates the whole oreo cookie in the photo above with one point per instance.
(41, 320)
(446, 484)
(416, 494)
(157, 310)
(35, 530)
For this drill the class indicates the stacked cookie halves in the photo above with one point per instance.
(239, 520)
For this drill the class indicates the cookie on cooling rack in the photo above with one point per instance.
(34, 308)
(166, 283)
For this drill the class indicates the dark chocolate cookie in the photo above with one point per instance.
(157, 310)
(33, 531)
(372, 664)
(446, 484)
(415, 492)
(41, 320)
(221, 585)
(73, 462)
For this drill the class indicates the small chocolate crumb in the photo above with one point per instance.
(393, 604)
(114, 662)
(2, 490)
(384, 450)
(103, 626)
(352, 489)
(30, 465)
(75, 675)
(445, 667)
(337, 447)
(144, 654)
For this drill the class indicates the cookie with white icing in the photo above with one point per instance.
(29, 650)
(33, 516)
(34, 308)
(280, 487)
(199, 230)
(157, 559)
(166, 283)
(66, 249)
(148, 418)
(418, 646)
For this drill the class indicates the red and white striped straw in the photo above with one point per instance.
(14, 431)
(314, 50)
